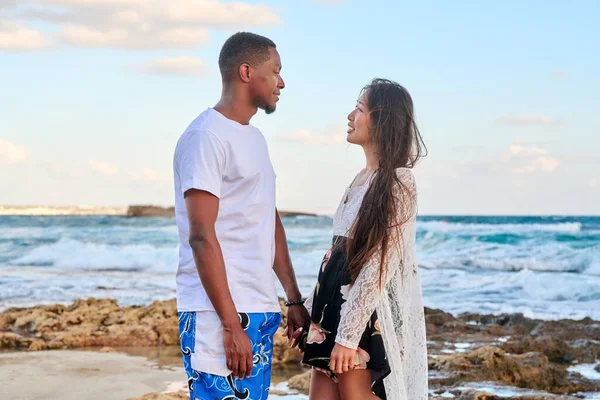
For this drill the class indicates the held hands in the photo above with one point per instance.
(343, 359)
(238, 350)
(297, 320)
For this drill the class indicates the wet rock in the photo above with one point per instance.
(489, 363)
(300, 382)
(476, 395)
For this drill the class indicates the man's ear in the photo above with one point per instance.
(244, 72)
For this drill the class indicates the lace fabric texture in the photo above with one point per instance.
(399, 303)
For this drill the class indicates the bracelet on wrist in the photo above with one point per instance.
(294, 303)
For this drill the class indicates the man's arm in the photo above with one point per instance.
(297, 315)
(202, 208)
(283, 263)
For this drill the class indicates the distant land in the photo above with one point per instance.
(157, 211)
(138, 210)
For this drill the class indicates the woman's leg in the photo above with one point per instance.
(322, 387)
(356, 385)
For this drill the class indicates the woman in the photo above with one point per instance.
(366, 339)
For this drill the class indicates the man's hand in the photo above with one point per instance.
(238, 350)
(297, 320)
(342, 359)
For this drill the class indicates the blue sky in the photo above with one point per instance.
(96, 92)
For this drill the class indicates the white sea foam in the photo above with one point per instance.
(64, 210)
(73, 254)
(483, 228)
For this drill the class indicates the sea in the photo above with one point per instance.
(546, 267)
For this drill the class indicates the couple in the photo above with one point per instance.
(362, 328)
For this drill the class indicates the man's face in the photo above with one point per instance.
(266, 82)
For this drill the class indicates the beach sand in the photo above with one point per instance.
(75, 375)
(119, 374)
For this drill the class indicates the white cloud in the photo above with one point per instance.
(527, 159)
(525, 120)
(179, 66)
(133, 38)
(11, 153)
(145, 174)
(332, 135)
(16, 38)
(593, 182)
(142, 24)
(103, 167)
(530, 150)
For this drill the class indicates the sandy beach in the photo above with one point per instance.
(72, 375)
(100, 375)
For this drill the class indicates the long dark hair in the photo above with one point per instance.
(396, 139)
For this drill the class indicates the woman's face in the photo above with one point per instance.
(359, 122)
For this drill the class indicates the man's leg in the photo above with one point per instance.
(267, 333)
(187, 341)
(260, 328)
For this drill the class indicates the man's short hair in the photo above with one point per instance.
(243, 47)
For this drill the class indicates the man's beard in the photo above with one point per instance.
(264, 106)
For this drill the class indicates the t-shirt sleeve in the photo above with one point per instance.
(202, 163)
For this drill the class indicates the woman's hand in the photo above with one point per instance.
(342, 359)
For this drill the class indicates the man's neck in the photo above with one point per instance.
(236, 108)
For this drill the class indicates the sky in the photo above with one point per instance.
(95, 93)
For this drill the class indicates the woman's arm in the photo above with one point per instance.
(365, 293)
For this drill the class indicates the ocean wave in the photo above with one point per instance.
(488, 229)
(58, 210)
(439, 253)
(77, 255)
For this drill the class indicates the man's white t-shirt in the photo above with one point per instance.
(231, 161)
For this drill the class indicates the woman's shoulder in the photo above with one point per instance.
(406, 176)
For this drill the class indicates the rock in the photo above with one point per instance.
(489, 363)
(515, 323)
(475, 395)
(300, 382)
(89, 323)
(437, 317)
(150, 211)
(181, 395)
(9, 340)
(597, 369)
(107, 349)
(557, 349)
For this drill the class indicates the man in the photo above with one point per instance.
(231, 235)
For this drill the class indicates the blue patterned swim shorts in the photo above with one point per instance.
(260, 328)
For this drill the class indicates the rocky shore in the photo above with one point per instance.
(468, 354)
